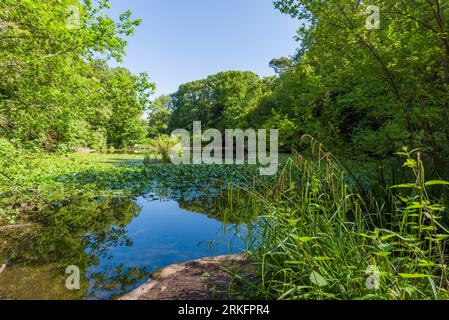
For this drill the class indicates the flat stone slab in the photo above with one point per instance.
(203, 279)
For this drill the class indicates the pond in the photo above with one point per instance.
(116, 243)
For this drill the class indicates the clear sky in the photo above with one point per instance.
(186, 40)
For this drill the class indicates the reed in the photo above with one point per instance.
(319, 236)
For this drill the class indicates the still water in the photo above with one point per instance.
(115, 242)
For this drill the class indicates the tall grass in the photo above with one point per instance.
(164, 145)
(321, 237)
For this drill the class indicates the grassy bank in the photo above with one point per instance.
(31, 182)
(320, 236)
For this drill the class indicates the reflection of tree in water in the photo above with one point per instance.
(99, 244)
(117, 280)
(82, 234)
(76, 235)
(231, 207)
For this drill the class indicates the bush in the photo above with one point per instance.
(165, 144)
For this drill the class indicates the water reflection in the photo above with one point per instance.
(116, 242)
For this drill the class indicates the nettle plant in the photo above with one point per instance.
(321, 237)
(418, 242)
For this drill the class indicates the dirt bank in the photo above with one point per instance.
(203, 279)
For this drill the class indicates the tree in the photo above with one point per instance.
(128, 96)
(190, 103)
(159, 116)
(223, 100)
(281, 65)
(50, 94)
(370, 91)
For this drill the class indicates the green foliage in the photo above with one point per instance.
(53, 94)
(162, 148)
(33, 182)
(159, 117)
(369, 92)
(221, 101)
(320, 237)
(322, 231)
(366, 93)
(165, 145)
(281, 65)
(30, 182)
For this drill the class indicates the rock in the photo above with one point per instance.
(203, 279)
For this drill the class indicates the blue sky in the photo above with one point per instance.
(186, 40)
